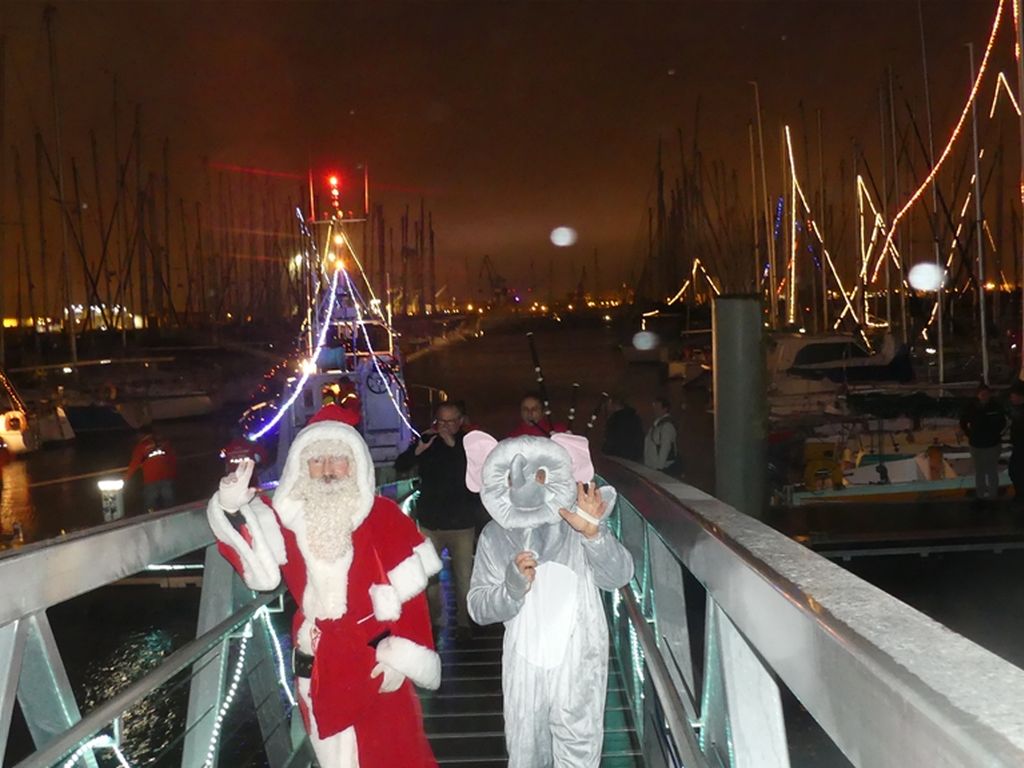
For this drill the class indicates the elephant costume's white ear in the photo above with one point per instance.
(579, 451)
(478, 446)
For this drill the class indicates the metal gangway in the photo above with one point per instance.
(726, 621)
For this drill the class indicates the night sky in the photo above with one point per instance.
(510, 118)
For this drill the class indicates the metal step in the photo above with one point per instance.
(463, 719)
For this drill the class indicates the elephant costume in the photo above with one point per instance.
(555, 654)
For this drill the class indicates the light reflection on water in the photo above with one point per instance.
(152, 724)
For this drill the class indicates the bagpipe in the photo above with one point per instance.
(542, 391)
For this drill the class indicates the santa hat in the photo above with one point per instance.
(331, 424)
(346, 414)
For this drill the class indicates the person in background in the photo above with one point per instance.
(240, 448)
(447, 511)
(159, 464)
(623, 431)
(532, 420)
(1017, 440)
(660, 449)
(983, 421)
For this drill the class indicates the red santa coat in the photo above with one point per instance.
(365, 608)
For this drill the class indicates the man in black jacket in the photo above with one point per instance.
(983, 421)
(623, 431)
(446, 510)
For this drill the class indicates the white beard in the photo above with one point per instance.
(328, 510)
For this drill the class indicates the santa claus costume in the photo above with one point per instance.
(357, 568)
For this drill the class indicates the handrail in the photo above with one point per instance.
(675, 711)
(113, 707)
(890, 686)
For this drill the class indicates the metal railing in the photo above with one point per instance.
(889, 686)
(236, 651)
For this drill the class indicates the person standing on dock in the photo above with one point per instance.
(1017, 440)
(623, 431)
(532, 420)
(446, 510)
(159, 464)
(660, 449)
(983, 421)
(357, 569)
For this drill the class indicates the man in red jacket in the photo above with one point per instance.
(357, 568)
(159, 464)
(532, 420)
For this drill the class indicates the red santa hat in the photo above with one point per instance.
(331, 424)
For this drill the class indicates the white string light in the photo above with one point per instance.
(211, 752)
(373, 355)
(103, 741)
(264, 613)
(930, 178)
(307, 370)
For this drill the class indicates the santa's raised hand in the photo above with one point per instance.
(586, 515)
(234, 491)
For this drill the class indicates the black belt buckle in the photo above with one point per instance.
(302, 663)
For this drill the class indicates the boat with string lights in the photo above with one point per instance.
(347, 353)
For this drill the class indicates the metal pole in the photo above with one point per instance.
(978, 221)
(773, 302)
(822, 213)
(941, 293)
(1019, 51)
(753, 212)
(740, 399)
(885, 211)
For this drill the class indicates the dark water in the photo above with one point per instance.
(115, 635)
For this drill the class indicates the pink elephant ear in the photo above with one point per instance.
(478, 447)
(579, 450)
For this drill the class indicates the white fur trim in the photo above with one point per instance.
(408, 577)
(429, 558)
(386, 604)
(331, 431)
(418, 663)
(261, 563)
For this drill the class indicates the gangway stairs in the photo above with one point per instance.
(725, 619)
(463, 719)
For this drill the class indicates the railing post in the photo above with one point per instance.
(12, 646)
(740, 406)
(44, 691)
(216, 603)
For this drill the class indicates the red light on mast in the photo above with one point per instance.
(332, 180)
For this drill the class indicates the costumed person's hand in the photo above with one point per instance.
(422, 446)
(520, 574)
(586, 515)
(234, 491)
(392, 678)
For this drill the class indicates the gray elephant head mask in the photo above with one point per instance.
(524, 481)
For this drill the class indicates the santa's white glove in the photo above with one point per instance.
(393, 679)
(234, 491)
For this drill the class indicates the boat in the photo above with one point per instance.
(25, 426)
(347, 347)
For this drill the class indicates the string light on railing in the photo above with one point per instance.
(236, 678)
(103, 741)
(282, 677)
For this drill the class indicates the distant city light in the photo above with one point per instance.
(563, 236)
(926, 277)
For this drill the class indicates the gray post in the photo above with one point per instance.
(740, 403)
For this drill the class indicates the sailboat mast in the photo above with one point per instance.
(70, 310)
(3, 188)
(753, 210)
(978, 222)
(940, 294)
(1019, 48)
(769, 236)
(904, 318)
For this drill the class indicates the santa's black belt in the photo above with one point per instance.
(302, 663)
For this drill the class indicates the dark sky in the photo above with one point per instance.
(512, 118)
